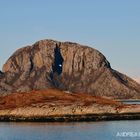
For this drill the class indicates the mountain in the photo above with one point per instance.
(65, 66)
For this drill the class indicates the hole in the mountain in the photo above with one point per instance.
(31, 64)
(58, 61)
(1, 73)
(57, 67)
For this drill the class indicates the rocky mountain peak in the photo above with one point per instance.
(66, 66)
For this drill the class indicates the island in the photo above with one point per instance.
(64, 81)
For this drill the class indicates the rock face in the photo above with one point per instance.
(67, 66)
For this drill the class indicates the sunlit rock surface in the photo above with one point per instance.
(66, 66)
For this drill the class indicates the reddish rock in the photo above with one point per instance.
(56, 105)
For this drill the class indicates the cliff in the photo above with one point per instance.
(65, 66)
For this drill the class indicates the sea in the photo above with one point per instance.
(98, 130)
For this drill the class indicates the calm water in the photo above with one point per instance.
(105, 130)
(131, 102)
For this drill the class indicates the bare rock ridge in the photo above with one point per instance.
(65, 66)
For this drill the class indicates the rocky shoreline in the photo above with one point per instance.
(72, 118)
(58, 106)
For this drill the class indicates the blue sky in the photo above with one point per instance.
(111, 26)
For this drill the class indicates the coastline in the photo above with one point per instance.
(72, 118)
(57, 106)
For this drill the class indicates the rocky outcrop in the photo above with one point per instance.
(56, 105)
(66, 66)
